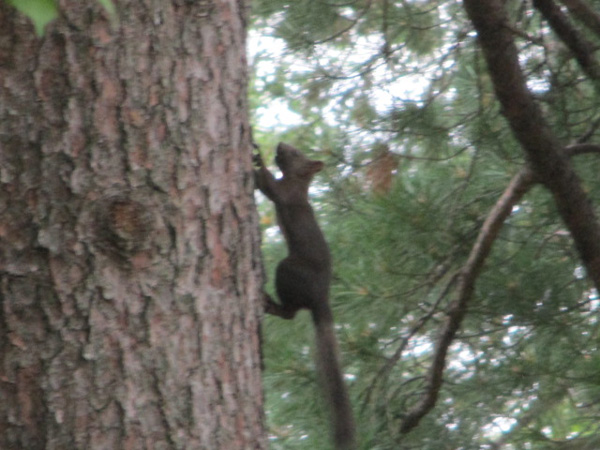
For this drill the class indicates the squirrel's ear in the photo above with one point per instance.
(310, 167)
(316, 166)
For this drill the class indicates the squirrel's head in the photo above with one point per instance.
(293, 163)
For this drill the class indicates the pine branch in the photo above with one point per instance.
(541, 406)
(584, 13)
(517, 187)
(580, 149)
(548, 163)
(544, 152)
(520, 184)
(581, 47)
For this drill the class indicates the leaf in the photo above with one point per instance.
(39, 11)
(109, 6)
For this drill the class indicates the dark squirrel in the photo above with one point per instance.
(302, 278)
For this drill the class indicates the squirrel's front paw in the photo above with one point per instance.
(257, 160)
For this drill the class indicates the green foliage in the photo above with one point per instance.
(109, 6)
(41, 12)
(406, 80)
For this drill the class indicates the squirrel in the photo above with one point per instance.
(302, 278)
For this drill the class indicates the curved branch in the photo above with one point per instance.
(517, 187)
(549, 164)
(520, 184)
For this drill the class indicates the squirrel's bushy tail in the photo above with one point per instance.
(332, 380)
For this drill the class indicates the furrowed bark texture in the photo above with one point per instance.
(129, 257)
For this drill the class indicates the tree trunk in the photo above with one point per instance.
(129, 257)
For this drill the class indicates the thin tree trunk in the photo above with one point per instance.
(129, 257)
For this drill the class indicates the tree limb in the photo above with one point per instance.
(549, 164)
(584, 13)
(580, 149)
(520, 184)
(546, 159)
(581, 47)
(517, 187)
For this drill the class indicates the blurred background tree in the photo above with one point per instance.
(396, 98)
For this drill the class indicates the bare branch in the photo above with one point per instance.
(581, 47)
(584, 13)
(549, 164)
(580, 149)
(517, 187)
(547, 159)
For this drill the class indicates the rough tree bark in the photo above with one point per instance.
(129, 270)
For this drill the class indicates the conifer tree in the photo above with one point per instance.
(460, 202)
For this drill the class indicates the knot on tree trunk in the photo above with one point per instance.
(123, 226)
